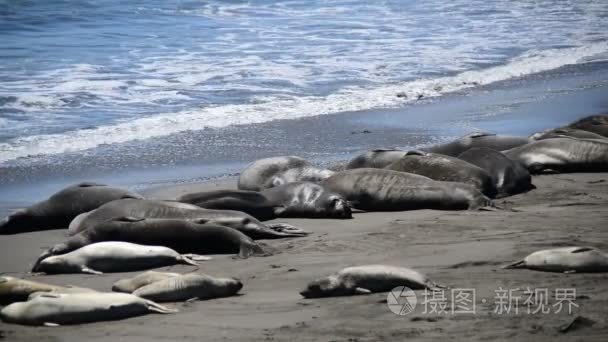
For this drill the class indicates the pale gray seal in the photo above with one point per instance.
(298, 199)
(54, 309)
(384, 190)
(269, 172)
(565, 259)
(367, 279)
(509, 177)
(131, 284)
(189, 286)
(175, 210)
(58, 210)
(562, 155)
(18, 290)
(377, 159)
(569, 132)
(113, 256)
(184, 236)
(478, 139)
(445, 168)
(596, 123)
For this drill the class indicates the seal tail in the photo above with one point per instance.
(155, 307)
(252, 249)
(286, 230)
(517, 264)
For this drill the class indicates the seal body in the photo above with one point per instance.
(597, 124)
(298, 199)
(377, 159)
(563, 155)
(367, 279)
(112, 256)
(445, 168)
(58, 210)
(489, 140)
(251, 202)
(386, 190)
(509, 177)
(189, 286)
(175, 210)
(18, 290)
(565, 259)
(568, 132)
(59, 309)
(131, 284)
(269, 172)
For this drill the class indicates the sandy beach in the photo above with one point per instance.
(463, 250)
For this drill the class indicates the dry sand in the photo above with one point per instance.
(458, 249)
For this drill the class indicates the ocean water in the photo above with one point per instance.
(78, 76)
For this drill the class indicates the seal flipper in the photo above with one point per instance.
(416, 153)
(155, 307)
(252, 249)
(517, 264)
(479, 135)
(88, 270)
(583, 249)
(50, 324)
(287, 229)
(128, 219)
(197, 257)
(361, 291)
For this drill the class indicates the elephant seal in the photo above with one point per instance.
(562, 155)
(509, 177)
(298, 199)
(269, 172)
(189, 286)
(568, 132)
(253, 203)
(596, 123)
(445, 168)
(112, 256)
(184, 236)
(376, 159)
(388, 190)
(477, 139)
(565, 259)
(175, 210)
(131, 284)
(367, 279)
(53, 309)
(58, 210)
(18, 290)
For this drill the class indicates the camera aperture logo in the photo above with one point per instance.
(401, 300)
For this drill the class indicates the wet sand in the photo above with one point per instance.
(460, 249)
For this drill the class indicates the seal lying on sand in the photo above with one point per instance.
(58, 210)
(562, 155)
(113, 256)
(568, 132)
(189, 286)
(478, 139)
(385, 190)
(131, 284)
(18, 290)
(270, 172)
(377, 159)
(509, 177)
(183, 236)
(54, 309)
(565, 259)
(175, 210)
(445, 168)
(367, 279)
(299, 199)
(596, 123)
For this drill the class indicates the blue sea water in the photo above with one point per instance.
(76, 75)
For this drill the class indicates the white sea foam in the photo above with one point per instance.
(286, 106)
